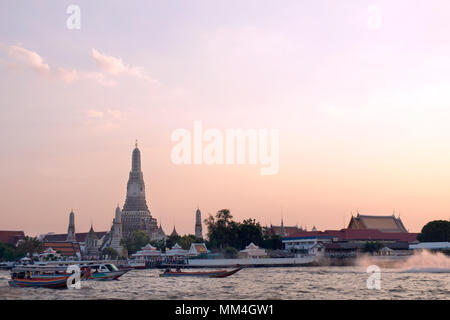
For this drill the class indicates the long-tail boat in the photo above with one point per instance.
(208, 274)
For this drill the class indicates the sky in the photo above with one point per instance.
(359, 92)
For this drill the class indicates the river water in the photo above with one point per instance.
(413, 280)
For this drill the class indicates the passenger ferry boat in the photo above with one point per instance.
(40, 276)
(92, 270)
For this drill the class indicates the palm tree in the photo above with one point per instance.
(30, 245)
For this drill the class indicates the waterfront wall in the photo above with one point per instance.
(262, 262)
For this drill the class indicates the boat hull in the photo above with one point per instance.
(107, 276)
(207, 274)
(44, 282)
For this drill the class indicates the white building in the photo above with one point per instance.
(253, 251)
(176, 251)
(430, 246)
(305, 244)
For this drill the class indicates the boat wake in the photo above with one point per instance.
(420, 262)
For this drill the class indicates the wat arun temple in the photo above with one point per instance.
(135, 212)
(135, 216)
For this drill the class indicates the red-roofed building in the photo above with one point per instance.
(304, 241)
(11, 237)
(281, 230)
(80, 236)
(65, 248)
(356, 235)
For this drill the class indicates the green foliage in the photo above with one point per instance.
(184, 241)
(272, 242)
(223, 232)
(30, 245)
(9, 252)
(136, 241)
(159, 244)
(171, 240)
(230, 253)
(110, 252)
(372, 246)
(435, 231)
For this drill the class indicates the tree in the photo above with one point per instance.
(110, 252)
(435, 231)
(230, 253)
(9, 252)
(222, 230)
(172, 240)
(159, 244)
(136, 241)
(187, 240)
(249, 231)
(272, 242)
(30, 245)
(372, 246)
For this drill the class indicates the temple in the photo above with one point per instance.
(382, 223)
(135, 213)
(114, 237)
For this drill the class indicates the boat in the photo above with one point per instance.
(103, 271)
(6, 265)
(137, 264)
(208, 274)
(40, 276)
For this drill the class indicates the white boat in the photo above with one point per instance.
(102, 271)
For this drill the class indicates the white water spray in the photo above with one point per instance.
(420, 261)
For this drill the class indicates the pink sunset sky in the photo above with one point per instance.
(359, 91)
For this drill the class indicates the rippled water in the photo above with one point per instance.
(254, 283)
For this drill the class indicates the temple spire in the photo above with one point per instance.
(136, 159)
(71, 229)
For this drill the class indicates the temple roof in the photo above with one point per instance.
(382, 223)
(174, 232)
(80, 237)
(69, 249)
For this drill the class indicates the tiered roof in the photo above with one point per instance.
(80, 237)
(64, 248)
(382, 223)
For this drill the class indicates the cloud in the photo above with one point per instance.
(104, 119)
(94, 114)
(116, 66)
(109, 64)
(21, 58)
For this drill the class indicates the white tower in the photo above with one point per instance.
(116, 232)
